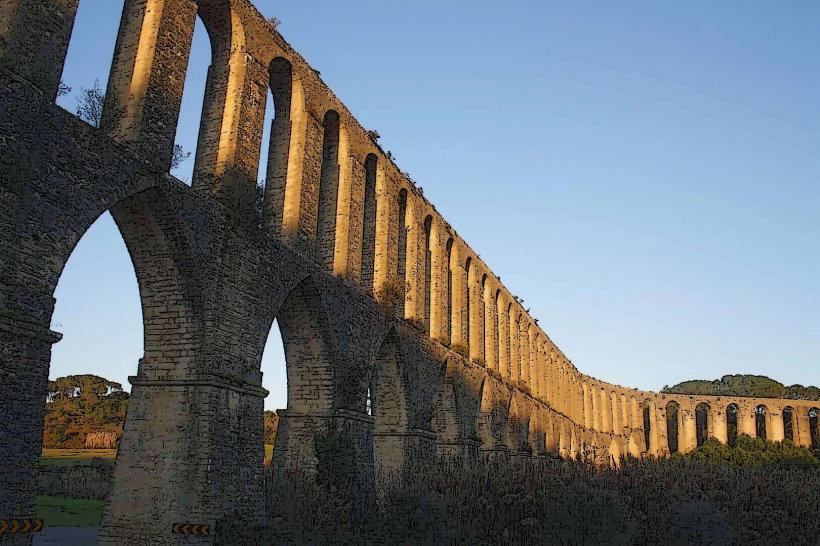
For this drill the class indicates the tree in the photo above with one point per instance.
(179, 156)
(63, 89)
(90, 104)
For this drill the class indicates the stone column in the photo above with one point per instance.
(34, 36)
(302, 439)
(774, 425)
(746, 421)
(194, 447)
(24, 362)
(688, 439)
(147, 76)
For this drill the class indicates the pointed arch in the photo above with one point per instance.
(281, 87)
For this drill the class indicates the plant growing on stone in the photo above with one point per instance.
(461, 349)
(391, 295)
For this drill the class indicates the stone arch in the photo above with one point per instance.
(280, 75)
(493, 415)
(518, 422)
(732, 412)
(615, 453)
(673, 426)
(368, 261)
(309, 352)
(761, 418)
(703, 422)
(390, 410)
(814, 427)
(328, 200)
(445, 416)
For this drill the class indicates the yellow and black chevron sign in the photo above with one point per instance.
(22, 525)
(190, 529)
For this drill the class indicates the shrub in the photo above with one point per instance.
(461, 349)
(391, 295)
(522, 386)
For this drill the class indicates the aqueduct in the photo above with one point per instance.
(396, 333)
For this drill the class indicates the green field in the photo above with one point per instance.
(268, 453)
(64, 512)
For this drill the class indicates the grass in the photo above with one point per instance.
(76, 456)
(65, 512)
(268, 453)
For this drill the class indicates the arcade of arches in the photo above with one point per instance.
(339, 223)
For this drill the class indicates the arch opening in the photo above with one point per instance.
(449, 335)
(428, 270)
(86, 69)
(468, 273)
(368, 262)
(702, 412)
(647, 426)
(273, 166)
(814, 427)
(328, 192)
(788, 423)
(275, 381)
(401, 262)
(672, 411)
(761, 413)
(732, 411)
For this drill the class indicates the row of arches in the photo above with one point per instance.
(799, 427)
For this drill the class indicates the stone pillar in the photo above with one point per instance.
(774, 425)
(24, 362)
(746, 421)
(718, 426)
(802, 431)
(515, 346)
(147, 76)
(34, 36)
(687, 436)
(393, 452)
(605, 412)
(616, 422)
(194, 447)
(303, 438)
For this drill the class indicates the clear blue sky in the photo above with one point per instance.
(645, 175)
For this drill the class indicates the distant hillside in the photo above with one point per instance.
(757, 386)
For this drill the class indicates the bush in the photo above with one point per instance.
(391, 295)
(461, 349)
(671, 501)
(90, 480)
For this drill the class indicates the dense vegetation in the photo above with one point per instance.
(753, 493)
(757, 386)
(81, 405)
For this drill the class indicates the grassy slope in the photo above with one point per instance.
(64, 512)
